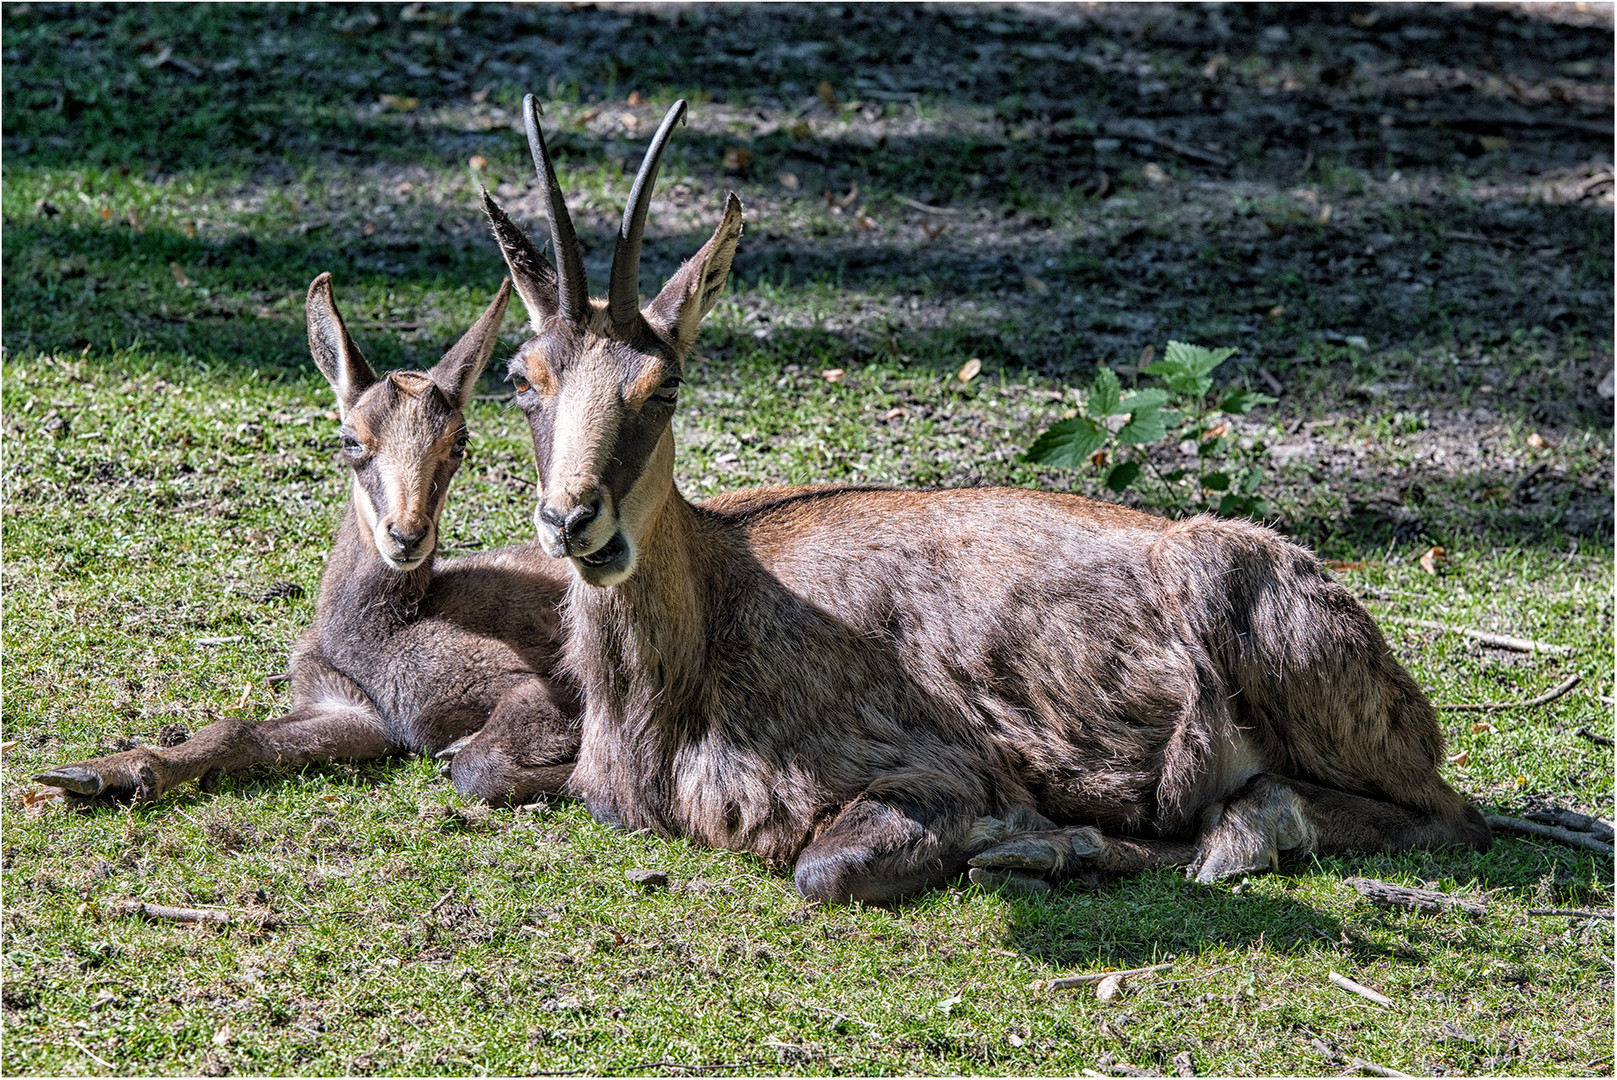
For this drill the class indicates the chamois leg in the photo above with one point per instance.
(881, 849)
(1081, 854)
(303, 736)
(527, 749)
(1274, 814)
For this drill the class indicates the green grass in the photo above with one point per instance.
(170, 454)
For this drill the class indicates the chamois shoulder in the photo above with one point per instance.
(819, 505)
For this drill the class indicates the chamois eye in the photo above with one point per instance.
(460, 444)
(352, 448)
(669, 390)
(522, 385)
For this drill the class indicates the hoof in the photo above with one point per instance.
(1007, 882)
(79, 781)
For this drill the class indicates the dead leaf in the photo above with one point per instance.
(1433, 558)
(1152, 172)
(834, 374)
(865, 221)
(477, 161)
(403, 187)
(968, 370)
(736, 159)
(892, 414)
(630, 120)
(400, 102)
(134, 221)
(1098, 458)
(1482, 725)
(1325, 214)
(1277, 312)
(788, 181)
(482, 95)
(933, 231)
(1492, 142)
(369, 229)
(1036, 285)
(179, 275)
(827, 95)
(853, 193)
(1147, 354)
(1460, 759)
(1539, 442)
(587, 115)
(1216, 432)
(106, 213)
(635, 98)
(7, 745)
(1343, 567)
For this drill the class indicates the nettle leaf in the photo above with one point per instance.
(1122, 475)
(1216, 482)
(1178, 379)
(1195, 358)
(1069, 443)
(1147, 426)
(1104, 394)
(1141, 400)
(1244, 401)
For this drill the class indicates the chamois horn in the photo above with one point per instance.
(572, 292)
(623, 296)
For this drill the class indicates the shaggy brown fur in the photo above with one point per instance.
(880, 687)
(408, 653)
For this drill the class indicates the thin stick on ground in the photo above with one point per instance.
(1571, 819)
(1498, 641)
(1066, 982)
(1552, 832)
(1545, 698)
(1571, 913)
(175, 914)
(1372, 1068)
(92, 1055)
(1424, 900)
(1585, 733)
(1359, 988)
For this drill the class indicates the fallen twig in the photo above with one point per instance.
(1600, 740)
(1570, 913)
(1427, 900)
(1545, 698)
(92, 1055)
(175, 914)
(1372, 1068)
(1188, 152)
(1553, 832)
(1498, 641)
(442, 900)
(1571, 819)
(925, 209)
(1066, 982)
(1358, 988)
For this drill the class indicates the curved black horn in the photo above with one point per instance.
(623, 295)
(572, 294)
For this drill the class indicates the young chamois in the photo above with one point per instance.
(882, 688)
(408, 654)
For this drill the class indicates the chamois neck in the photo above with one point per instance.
(646, 639)
(358, 586)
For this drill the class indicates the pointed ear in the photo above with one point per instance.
(690, 294)
(334, 352)
(535, 279)
(456, 374)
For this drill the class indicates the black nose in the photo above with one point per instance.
(407, 541)
(579, 518)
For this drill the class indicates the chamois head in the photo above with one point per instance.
(403, 435)
(599, 379)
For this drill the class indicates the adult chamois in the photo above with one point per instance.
(883, 687)
(408, 653)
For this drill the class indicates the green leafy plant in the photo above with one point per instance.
(1114, 430)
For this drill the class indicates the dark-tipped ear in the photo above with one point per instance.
(456, 374)
(690, 294)
(334, 352)
(535, 279)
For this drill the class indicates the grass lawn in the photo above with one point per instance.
(175, 176)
